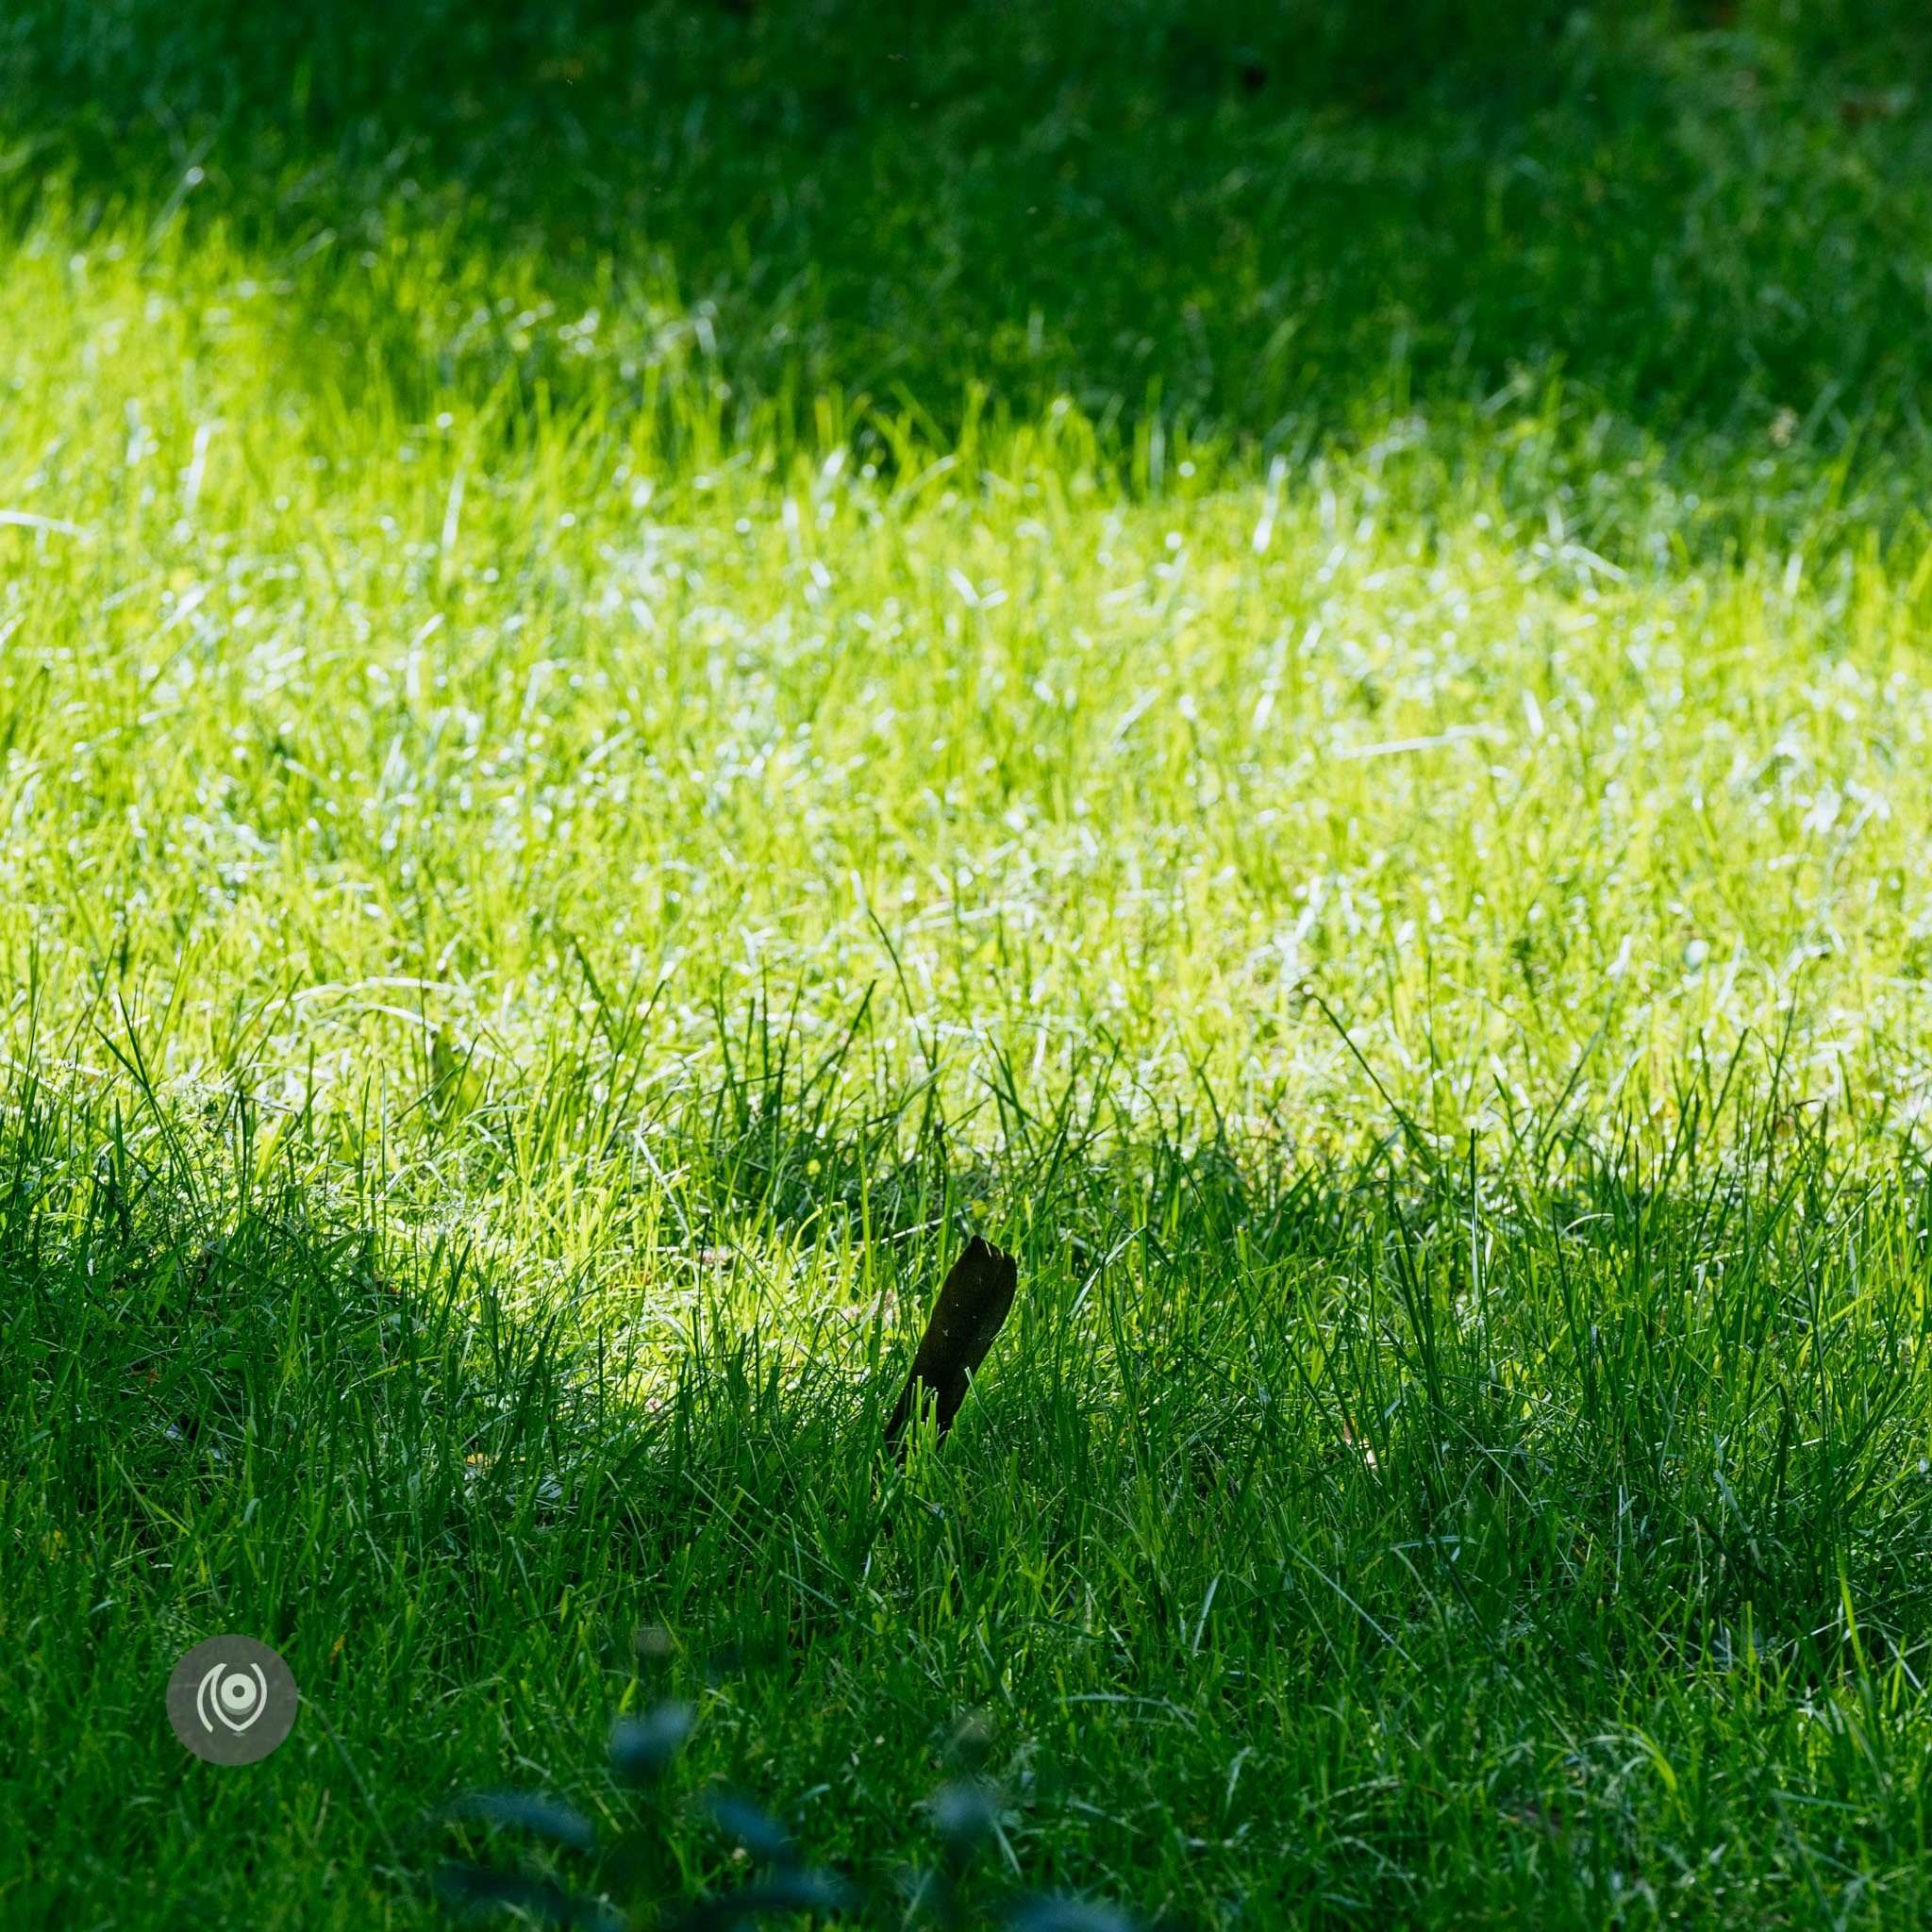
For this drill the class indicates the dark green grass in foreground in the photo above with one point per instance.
(1543, 1542)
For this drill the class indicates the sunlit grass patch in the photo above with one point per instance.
(362, 747)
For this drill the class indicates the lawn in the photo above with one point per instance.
(656, 662)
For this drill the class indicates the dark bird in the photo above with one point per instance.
(972, 1306)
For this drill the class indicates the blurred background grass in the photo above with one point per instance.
(1268, 222)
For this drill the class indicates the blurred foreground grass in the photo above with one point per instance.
(589, 782)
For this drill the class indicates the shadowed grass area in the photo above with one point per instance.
(1454, 1546)
(1269, 223)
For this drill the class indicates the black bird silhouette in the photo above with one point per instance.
(972, 1306)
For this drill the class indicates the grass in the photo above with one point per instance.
(1317, 1548)
(628, 708)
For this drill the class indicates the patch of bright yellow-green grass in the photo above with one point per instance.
(340, 745)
